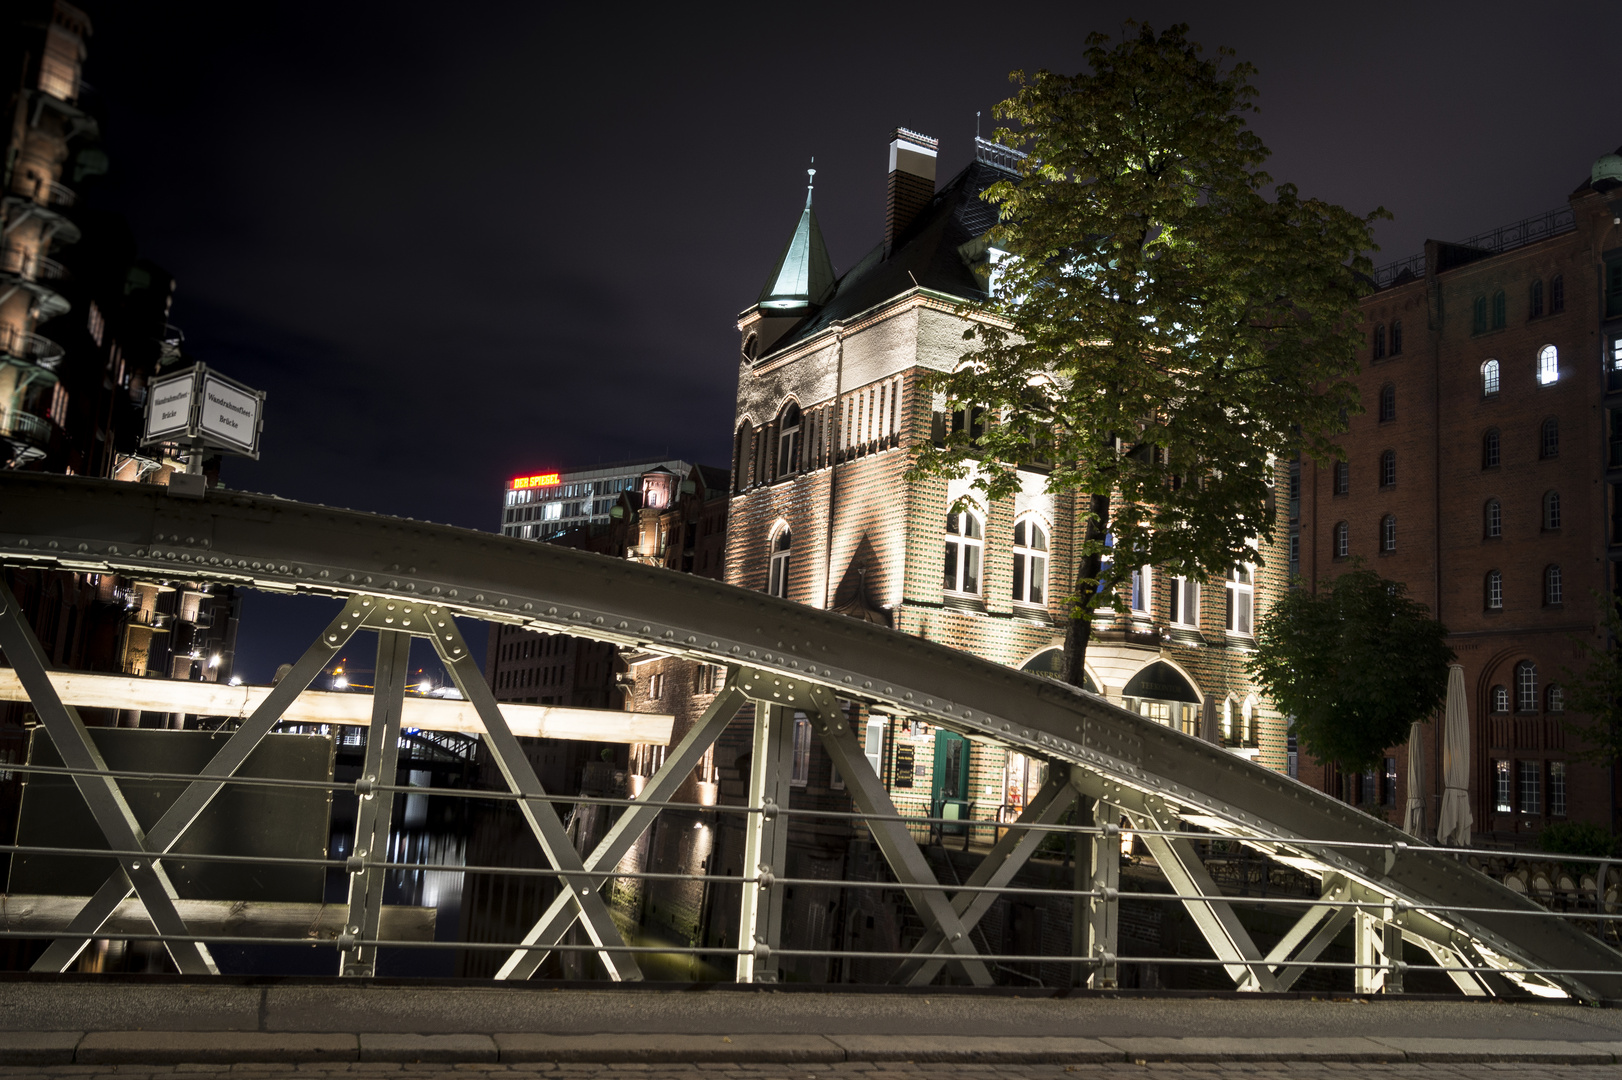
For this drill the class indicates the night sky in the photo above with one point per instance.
(464, 242)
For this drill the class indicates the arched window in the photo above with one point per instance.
(1388, 468)
(1526, 686)
(1227, 721)
(1500, 310)
(1551, 510)
(1495, 591)
(1396, 337)
(1343, 477)
(1534, 300)
(1500, 699)
(1030, 563)
(1247, 718)
(1388, 403)
(965, 543)
(1492, 520)
(1342, 540)
(1557, 294)
(1489, 449)
(1241, 589)
(1548, 365)
(788, 440)
(1388, 533)
(1554, 698)
(1551, 584)
(777, 583)
(751, 348)
(741, 445)
(1379, 341)
(1549, 443)
(1489, 377)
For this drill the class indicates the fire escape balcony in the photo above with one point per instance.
(35, 350)
(26, 431)
(30, 264)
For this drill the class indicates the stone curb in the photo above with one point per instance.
(427, 1048)
(38, 1047)
(599, 1049)
(1224, 1048)
(1008, 1050)
(211, 1047)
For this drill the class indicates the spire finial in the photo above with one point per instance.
(810, 181)
(977, 123)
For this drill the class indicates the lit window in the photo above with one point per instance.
(1548, 365)
(1185, 601)
(1551, 510)
(1549, 445)
(1494, 524)
(1554, 698)
(1489, 377)
(1551, 585)
(1227, 722)
(1343, 478)
(1388, 788)
(1500, 699)
(1030, 563)
(788, 441)
(1526, 686)
(1502, 788)
(1396, 337)
(1531, 787)
(1388, 403)
(801, 771)
(1241, 590)
(1342, 540)
(965, 542)
(1557, 788)
(1495, 590)
(1141, 595)
(1388, 468)
(1489, 449)
(777, 584)
(1388, 533)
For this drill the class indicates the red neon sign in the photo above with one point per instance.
(538, 480)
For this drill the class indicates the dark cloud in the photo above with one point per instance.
(460, 242)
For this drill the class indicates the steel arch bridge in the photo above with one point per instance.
(405, 578)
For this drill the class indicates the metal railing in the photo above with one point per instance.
(26, 426)
(29, 263)
(35, 348)
(1562, 219)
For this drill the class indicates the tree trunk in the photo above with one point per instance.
(1080, 630)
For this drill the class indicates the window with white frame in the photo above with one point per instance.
(1247, 721)
(873, 744)
(1531, 787)
(1500, 699)
(1551, 584)
(1388, 533)
(1503, 787)
(1495, 590)
(965, 545)
(1493, 520)
(1526, 686)
(1557, 788)
(1548, 365)
(1185, 601)
(788, 440)
(1030, 563)
(1142, 597)
(1343, 541)
(1489, 377)
(1241, 590)
(801, 773)
(777, 583)
(1227, 721)
(1551, 510)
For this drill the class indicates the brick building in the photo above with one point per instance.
(829, 405)
(1484, 473)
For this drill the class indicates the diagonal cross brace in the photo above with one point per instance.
(1005, 859)
(199, 793)
(900, 850)
(102, 794)
(560, 915)
(520, 776)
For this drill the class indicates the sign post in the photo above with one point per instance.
(203, 410)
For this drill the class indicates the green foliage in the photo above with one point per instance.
(1596, 694)
(1577, 838)
(1159, 328)
(1355, 663)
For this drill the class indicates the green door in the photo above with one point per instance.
(949, 789)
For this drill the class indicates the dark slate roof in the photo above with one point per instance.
(926, 251)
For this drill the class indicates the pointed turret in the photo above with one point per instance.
(804, 276)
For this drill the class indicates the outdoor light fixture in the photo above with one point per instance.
(235, 680)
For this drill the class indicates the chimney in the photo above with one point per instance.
(911, 184)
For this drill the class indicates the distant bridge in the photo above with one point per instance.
(405, 579)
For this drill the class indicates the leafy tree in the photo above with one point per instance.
(1596, 693)
(1355, 664)
(1158, 327)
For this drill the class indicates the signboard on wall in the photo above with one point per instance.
(197, 405)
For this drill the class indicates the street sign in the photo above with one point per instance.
(202, 407)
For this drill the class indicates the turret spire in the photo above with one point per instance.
(804, 275)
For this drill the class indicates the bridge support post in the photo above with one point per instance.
(375, 812)
(1100, 930)
(765, 847)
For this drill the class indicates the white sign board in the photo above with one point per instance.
(230, 414)
(169, 405)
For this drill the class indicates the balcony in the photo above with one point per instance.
(27, 429)
(29, 264)
(30, 348)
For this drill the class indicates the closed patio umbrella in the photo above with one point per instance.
(1413, 821)
(1453, 823)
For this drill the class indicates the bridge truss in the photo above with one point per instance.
(405, 579)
